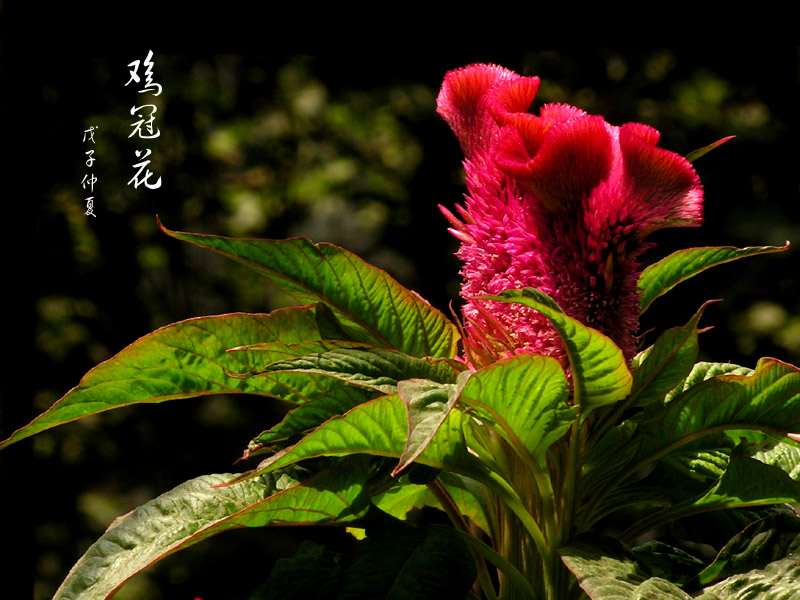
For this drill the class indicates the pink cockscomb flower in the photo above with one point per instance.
(562, 202)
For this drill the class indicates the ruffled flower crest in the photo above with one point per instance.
(560, 201)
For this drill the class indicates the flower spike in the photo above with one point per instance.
(561, 201)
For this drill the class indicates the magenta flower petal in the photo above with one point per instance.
(573, 157)
(662, 184)
(462, 103)
(512, 99)
(561, 201)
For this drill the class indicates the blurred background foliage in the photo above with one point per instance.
(336, 148)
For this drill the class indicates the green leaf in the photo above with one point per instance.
(666, 363)
(310, 415)
(258, 357)
(749, 482)
(778, 581)
(525, 396)
(313, 572)
(599, 372)
(774, 538)
(196, 510)
(695, 154)
(377, 427)
(440, 566)
(702, 371)
(717, 528)
(181, 360)
(607, 570)
(396, 563)
(659, 278)
(428, 404)
(403, 497)
(766, 400)
(746, 483)
(604, 464)
(363, 298)
(702, 462)
(668, 562)
(681, 476)
(779, 454)
(375, 368)
(400, 563)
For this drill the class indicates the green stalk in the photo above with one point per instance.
(460, 526)
(569, 490)
(513, 502)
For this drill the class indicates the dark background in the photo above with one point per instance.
(263, 140)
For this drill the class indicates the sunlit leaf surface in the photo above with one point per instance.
(363, 297)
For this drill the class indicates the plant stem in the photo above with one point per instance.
(460, 526)
(546, 552)
(500, 562)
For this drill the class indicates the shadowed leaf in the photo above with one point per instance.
(375, 368)
(607, 570)
(377, 427)
(766, 400)
(666, 363)
(749, 482)
(310, 415)
(774, 538)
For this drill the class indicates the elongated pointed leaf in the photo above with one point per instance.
(310, 415)
(526, 397)
(376, 368)
(364, 298)
(702, 371)
(746, 483)
(749, 482)
(599, 371)
(609, 457)
(196, 510)
(607, 570)
(774, 538)
(182, 360)
(695, 154)
(766, 400)
(257, 357)
(667, 362)
(656, 280)
(377, 427)
(152, 532)
(428, 404)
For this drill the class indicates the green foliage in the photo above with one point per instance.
(598, 367)
(526, 456)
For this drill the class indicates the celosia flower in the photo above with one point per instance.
(562, 202)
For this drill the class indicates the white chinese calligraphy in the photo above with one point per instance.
(138, 179)
(144, 128)
(89, 179)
